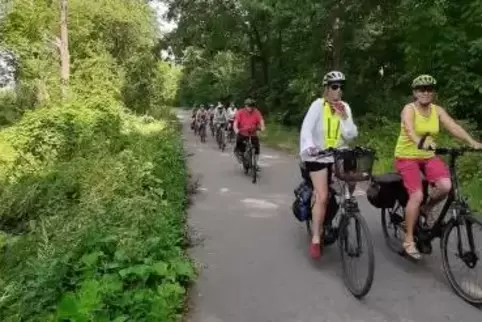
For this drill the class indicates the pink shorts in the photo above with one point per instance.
(410, 170)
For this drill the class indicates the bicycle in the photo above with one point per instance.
(221, 136)
(231, 134)
(388, 193)
(351, 165)
(211, 125)
(202, 131)
(248, 158)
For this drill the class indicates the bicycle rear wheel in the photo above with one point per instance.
(467, 232)
(354, 225)
(391, 220)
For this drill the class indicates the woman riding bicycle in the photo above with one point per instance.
(418, 119)
(327, 124)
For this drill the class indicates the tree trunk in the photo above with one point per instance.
(64, 48)
(336, 44)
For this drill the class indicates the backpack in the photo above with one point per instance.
(302, 204)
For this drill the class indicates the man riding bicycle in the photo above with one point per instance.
(201, 117)
(210, 114)
(327, 124)
(419, 118)
(247, 121)
(193, 117)
(231, 112)
(220, 118)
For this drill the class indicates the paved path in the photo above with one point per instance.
(253, 255)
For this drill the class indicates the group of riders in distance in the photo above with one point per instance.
(227, 124)
(424, 179)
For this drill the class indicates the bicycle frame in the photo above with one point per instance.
(202, 127)
(220, 138)
(454, 198)
(248, 146)
(347, 204)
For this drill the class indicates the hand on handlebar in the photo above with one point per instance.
(313, 151)
(427, 143)
(476, 145)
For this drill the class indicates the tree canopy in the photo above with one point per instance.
(278, 50)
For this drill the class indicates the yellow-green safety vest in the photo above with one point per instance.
(331, 127)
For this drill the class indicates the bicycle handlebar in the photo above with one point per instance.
(446, 151)
(334, 151)
(453, 151)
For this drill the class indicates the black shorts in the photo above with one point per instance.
(241, 140)
(310, 166)
(221, 125)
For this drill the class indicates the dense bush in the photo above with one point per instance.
(91, 223)
(95, 236)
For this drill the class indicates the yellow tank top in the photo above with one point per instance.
(331, 127)
(406, 148)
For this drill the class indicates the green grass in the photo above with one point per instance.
(281, 137)
(381, 134)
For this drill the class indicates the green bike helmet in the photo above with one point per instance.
(423, 80)
(249, 102)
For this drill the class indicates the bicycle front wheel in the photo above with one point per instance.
(465, 233)
(203, 134)
(254, 166)
(356, 248)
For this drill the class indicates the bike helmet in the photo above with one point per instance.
(424, 80)
(249, 102)
(333, 77)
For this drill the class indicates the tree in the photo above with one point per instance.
(64, 48)
(286, 46)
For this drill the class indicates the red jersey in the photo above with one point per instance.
(248, 121)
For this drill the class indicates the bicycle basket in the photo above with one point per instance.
(354, 164)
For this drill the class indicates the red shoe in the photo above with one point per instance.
(315, 251)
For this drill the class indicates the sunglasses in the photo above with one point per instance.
(336, 87)
(423, 89)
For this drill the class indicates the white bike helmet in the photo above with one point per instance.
(333, 77)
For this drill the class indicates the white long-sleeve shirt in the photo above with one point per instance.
(312, 132)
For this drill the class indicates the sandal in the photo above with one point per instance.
(411, 250)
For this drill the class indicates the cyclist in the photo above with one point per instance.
(220, 117)
(201, 117)
(231, 112)
(419, 118)
(327, 124)
(246, 123)
(211, 117)
(193, 117)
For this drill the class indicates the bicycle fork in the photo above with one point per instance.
(350, 207)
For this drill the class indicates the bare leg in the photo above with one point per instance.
(320, 183)
(411, 214)
(437, 194)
